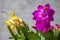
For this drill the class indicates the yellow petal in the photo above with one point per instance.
(7, 22)
(13, 13)
(11, 21)
(14, 18)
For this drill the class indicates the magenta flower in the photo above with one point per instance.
(43, 15)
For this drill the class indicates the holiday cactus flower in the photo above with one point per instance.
(43, 15)
(13, 21)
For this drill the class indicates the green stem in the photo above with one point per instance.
(39, 34)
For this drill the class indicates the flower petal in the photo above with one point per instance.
(51, 12)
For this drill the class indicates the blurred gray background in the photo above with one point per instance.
(24, 9)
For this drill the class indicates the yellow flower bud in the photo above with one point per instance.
(13, 29)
